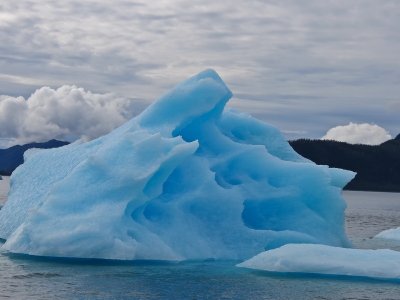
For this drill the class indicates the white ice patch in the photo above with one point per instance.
(328, 260)
(389, 234)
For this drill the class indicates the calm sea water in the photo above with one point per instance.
(4, 184)
(23, 277)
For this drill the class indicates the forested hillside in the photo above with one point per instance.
(377, 167)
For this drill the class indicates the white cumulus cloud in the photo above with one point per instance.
(66, 113)
(369, 134)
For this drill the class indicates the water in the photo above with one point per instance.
(23, 277)
(369, 213)
(4, 189)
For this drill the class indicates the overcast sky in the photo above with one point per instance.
(303, 66)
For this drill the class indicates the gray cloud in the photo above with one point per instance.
(66, 113)
(304, 66)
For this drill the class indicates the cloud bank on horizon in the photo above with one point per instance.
(369, 134)
(67, 113)
(302, 66)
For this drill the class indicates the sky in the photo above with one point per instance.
(303, 66)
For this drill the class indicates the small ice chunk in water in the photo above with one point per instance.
(328, 260)
(389, 234)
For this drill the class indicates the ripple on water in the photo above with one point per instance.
(35, 275)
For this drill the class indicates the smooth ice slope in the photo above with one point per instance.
(322, 259)
(390, 234)
(186, 179)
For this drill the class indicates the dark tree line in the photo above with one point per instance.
(377, 167)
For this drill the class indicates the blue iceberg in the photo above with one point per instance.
(186, 179)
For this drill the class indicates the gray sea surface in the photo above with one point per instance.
(4, 186)
(368, 213)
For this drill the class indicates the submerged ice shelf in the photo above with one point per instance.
(186, 179)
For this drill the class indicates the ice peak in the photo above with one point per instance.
(203, 95)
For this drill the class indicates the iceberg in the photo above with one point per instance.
(328, 260)
(392, 234)
(186, 179)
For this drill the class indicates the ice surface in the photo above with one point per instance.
(389, 234)
(186, 179)
(322, 259)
